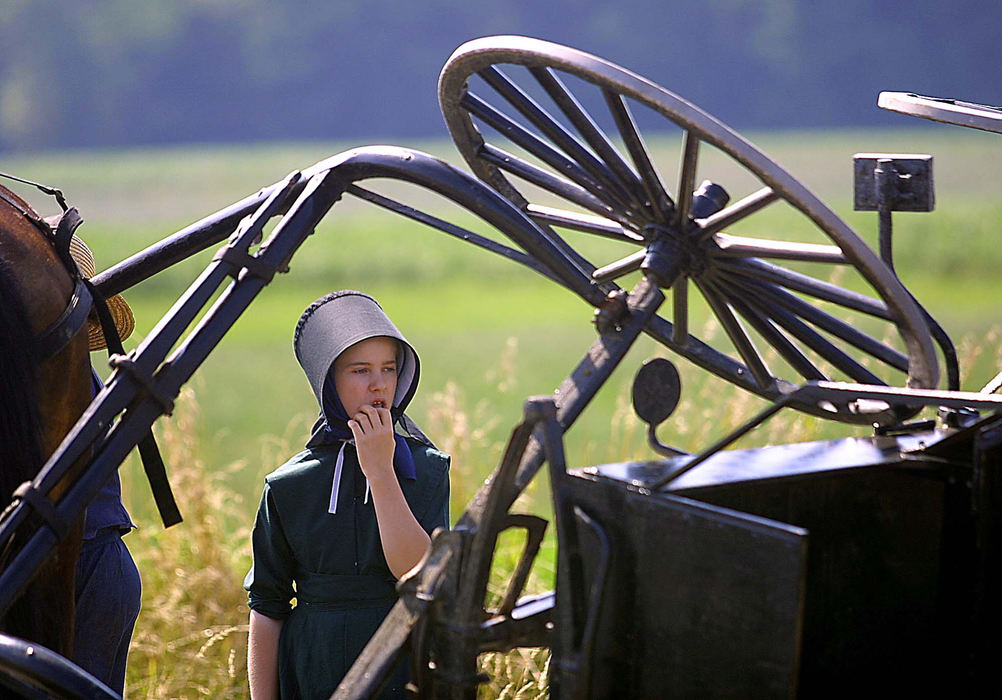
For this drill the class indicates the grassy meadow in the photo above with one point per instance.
(489, 334)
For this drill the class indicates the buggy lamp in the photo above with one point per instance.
(897, 181)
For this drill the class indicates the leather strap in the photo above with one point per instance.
(45, 508)
(61, 331)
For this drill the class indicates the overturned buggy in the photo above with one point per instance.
(789, 570)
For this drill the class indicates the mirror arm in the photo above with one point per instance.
(659, 447)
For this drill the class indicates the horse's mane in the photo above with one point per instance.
(20, 422)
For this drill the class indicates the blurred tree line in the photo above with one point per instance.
(77, 73)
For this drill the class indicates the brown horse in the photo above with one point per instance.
(40, 400)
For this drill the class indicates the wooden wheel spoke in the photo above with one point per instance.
(736, 332)
(520, 136)
(841, 360)
(814, 340)
(549, 182)
(686, 178)
(585, 223)
(773, 335)
(836, 327)
(660, 202)
(556, 132)
(742, 247)
(766, 291)
(680, 310)
(825, 291)
(590, 132)
(730, 215)
(623, 266)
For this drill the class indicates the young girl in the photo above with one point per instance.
(340, 522)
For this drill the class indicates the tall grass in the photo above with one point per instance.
(191, 638)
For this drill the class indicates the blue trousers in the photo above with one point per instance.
(109, 593)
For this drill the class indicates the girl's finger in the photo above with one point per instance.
(363, 421)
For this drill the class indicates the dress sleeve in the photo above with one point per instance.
(436, 506)
(269, 582)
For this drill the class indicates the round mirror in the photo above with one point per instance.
(656, 390)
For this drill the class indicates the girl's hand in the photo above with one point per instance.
(372, 429)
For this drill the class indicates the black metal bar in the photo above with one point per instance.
(705, 356)
(570, 573)
(732, 326)
(945, 346)
(742, 430)
(759, 269)
(586, 126)
(592, 372)
(570, 609)
(836, 391)
(660, 203)
(600, 173)
(450, 229)
(594, 606)
(456, 657)
(465, 190)
(531, 624)
(29, 670)
(535, 529)
(885, 177)
(179, 246)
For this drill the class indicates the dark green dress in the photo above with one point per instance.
(332, 564)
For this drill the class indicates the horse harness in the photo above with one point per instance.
(58, 231)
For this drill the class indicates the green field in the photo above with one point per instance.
(489, 333)
(494, 330)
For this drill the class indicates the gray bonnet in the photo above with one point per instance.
(337, 321)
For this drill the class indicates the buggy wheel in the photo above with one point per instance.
(565, 125)
(28, 670)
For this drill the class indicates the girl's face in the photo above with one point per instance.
(366, 374)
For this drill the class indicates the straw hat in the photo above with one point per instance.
(125, 322)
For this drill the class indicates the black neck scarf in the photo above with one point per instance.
(332, 428)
